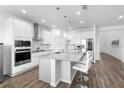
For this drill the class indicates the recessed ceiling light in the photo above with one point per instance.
(65, 35)
(24, 11)
(78, 13)
(121, 17)
(81, 21)
(69, 37)
(43, 21)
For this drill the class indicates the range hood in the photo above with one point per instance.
(36, 32)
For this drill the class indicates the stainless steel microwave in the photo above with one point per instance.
(22, 43)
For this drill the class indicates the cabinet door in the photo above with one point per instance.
(66, 71)
(23, 29)
(46, 37)
(35, 60)
(19, 28)
(28, 30)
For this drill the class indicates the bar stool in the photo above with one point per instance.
(83, 67)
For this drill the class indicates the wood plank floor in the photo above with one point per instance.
(29, 79)
(106, 73)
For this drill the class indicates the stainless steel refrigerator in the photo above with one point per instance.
(1, 62)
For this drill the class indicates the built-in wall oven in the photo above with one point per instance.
(22, 56)
(22, 52)
(22, 43)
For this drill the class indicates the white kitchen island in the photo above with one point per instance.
(54, 68)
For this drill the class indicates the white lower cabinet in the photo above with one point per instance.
(35, 60)
(36, 57)
(22, 68)
(45, 70)
(65, 71)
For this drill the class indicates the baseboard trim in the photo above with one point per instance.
(97, 60)
(28, 69)
(113, 57)
(66, 81)
(54, 84)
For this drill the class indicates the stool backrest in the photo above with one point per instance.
(89, 58)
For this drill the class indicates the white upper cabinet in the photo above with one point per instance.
(45, 35)
(28, 30)
(22, 29)
(19, 28)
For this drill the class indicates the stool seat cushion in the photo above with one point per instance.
(81, 67)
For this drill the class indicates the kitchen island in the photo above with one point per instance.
(56, 67)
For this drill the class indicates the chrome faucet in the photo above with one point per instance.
(38, 49)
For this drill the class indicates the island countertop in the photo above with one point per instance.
(65, 56)
(57, 66)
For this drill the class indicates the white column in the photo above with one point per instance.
(53, 76)
(96, 44)
(55, 72)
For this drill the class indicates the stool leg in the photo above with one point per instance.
(81, 79)
(82, 84)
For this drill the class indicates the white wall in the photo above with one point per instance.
(77, 35)
(93, 32)
(106, 37)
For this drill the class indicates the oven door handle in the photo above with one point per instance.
(22, 51)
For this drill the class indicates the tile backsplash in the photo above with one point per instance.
(39, 44)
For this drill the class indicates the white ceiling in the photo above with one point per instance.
(101, 15)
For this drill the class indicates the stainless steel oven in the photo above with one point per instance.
(22, 56)
(27, 43)
(22, 43)
(18, 43)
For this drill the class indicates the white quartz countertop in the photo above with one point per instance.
(40, 53)
(65, 56)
